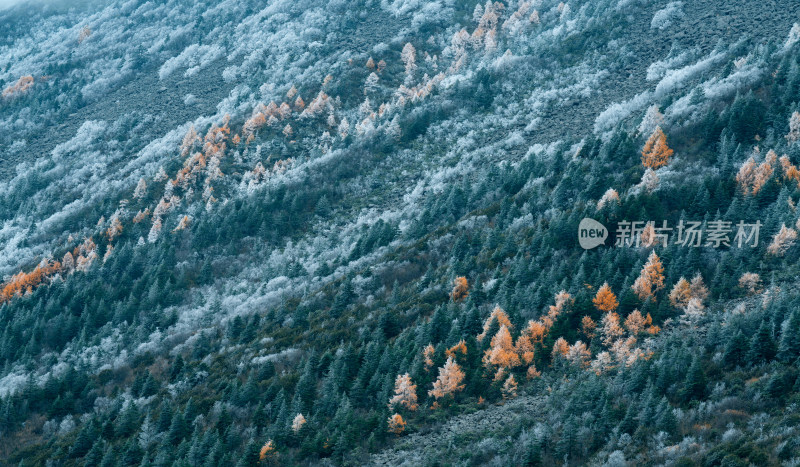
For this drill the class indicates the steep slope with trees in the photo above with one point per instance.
(296, 234)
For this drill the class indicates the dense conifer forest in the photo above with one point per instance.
(292, 233)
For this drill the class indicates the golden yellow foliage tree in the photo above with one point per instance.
(21, 86)
(635, 323)
(114, 229)
(752, 177)
(560, 348)
(611, 330)
(563, 304)
(530, 336)
(396, 424)
(459, 348)
(460, 289)
(588, 326)
(578, 354)
(698, 288)
(141, 215)
(26, 282)
(405, 393)
(214, 141)
(497, 315)
(501, 352)
(681, 293)
(427, 356)
(605, 300)
(267, 451)
(298, 422)
(449, 380)
(189, 139)
(610, 197)
(751, 282)
(790, 171)
(782, 241)
(656, 152)
(182, 224)
(510, 388)
(651, 278)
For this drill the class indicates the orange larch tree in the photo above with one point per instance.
(605, 300)
(526, 342)
(25, 282)
(510, 388)
(189, 140)
(497, 315)
(790, 171)
(651, 278)
(610, 197)
(681, 293)
(560, 348)
(396, 424)
(460, 289)
(427, 356)
(588, 326)
(610, 328)
(698, 288)
(782, 241)
(449, 380)
(115, 228)
(501, 352)
(751, 282)
(21, 86)
(752, 177)
(656, 152)
(579, 355)
(267, 451)
(459, 348)
(405, 393)
(298, 422)
(635, 323)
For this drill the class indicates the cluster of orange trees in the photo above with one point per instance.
(22, 85)
(618, 341)
(25, 282)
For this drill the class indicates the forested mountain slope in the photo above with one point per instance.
(297, 233)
